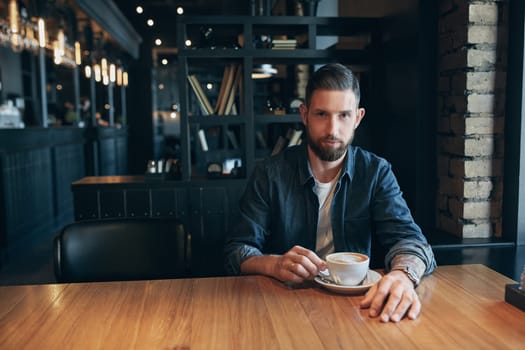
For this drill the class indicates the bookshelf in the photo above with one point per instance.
(250, 130)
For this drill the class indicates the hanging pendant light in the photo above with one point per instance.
(14, 27)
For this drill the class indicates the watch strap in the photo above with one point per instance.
(411, 274)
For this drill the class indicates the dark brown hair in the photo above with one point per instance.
(333, 76)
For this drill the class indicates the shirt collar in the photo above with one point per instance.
(305, 172)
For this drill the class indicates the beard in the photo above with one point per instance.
(327, 154)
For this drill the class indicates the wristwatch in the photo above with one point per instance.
(411, 274)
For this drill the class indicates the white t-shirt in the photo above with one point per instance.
(325, 238)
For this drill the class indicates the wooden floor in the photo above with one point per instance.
(35, 266)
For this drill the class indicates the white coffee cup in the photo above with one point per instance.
(347, 268)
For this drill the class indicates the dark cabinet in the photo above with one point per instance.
(138, 203)
(207, 209)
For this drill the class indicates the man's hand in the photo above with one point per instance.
(296, 265)
(393, 297)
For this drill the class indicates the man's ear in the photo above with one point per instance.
(304, 112)
(360, 114)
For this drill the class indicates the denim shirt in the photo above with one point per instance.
(279, 209)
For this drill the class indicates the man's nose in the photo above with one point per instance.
(331, 124)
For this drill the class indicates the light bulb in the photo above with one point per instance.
(87, 71)
(41, 33)
(78, 56)
(112, 73)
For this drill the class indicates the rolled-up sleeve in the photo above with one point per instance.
(248, 236)
(395, 226)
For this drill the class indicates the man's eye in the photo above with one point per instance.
(345, 115)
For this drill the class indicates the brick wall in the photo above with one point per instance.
(471, 109)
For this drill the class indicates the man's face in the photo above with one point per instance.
(330, 122)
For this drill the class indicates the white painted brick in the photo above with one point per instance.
(481, 58)
(476, 210)
(477, 34)
(479, 126)
(480, 146)
(483, 13)
(483, 168)
(481, 230)
(478, 103)
(478, 168)
(477, 189)
(481, 81)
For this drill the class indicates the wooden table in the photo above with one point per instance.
(463, 308)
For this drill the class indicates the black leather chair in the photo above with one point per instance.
(117, 250)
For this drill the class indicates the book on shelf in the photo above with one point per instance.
(202, 140)
(231, 96)
(284, 44)
(230, 83)
(234, 110)
(292, 138)
(261, 139)
(295, 138)
(220, 99)
(204, 103)
(232, 138)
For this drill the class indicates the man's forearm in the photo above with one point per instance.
(261, 265)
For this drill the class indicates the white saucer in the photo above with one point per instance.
(371, 278)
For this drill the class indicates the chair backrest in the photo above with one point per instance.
(117, 250)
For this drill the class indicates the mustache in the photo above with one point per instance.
(331, 138)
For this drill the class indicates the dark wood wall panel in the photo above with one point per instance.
(68, 167)
(121, 148)
(28, 192)
(107, 156)
(38, 166)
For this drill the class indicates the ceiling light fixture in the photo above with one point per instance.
(158, 42)
(150, 22)
(164, 61)
(180, 10)
(139, 10)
